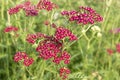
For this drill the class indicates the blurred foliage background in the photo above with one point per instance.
(89, 60)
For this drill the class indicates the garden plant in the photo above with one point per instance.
(59, 40)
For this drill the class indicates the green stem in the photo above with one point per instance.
(29, 71)
(2, 10)
(78, 38)
(24, 73)
(43, 70)
(8, 18)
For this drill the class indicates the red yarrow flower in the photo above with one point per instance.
(63, 32)
(85, 15)
(46, 22)
(28, 61)
(49, 48)
(52, 48)
(65, 56)
(10, 29)
(115, 30)
(110, 51)
(29, 9)
(31, 38)
(46, 4)
(15, 10)
(19, 56)
(64, 72)
(118, 47)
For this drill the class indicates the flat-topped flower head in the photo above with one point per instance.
(22, 56)
(115, 30)
(30, 10)
(64, 56)
(15, 9)
(85, 15)
(64, 72)
(10, 29)
(46, 4)
(31, 38)
(48, 48)
(28, 61)
(63, 32)
(19, 56)
(110, 51)
(118, 47)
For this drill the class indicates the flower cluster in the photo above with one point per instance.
(10, 29)
(15, 10)
(64, 72)
(32, 10)
(48, 48)
(23, 56)
(115, 30)
(85, 15)
(31, 38)
(118, 47)
(62, 33)
(65, 56)
(110, 51)
(46, 4)
(51, 46)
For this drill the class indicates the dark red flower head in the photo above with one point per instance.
(63, 32)
(85, 15)
(19, 56)
(110, 51)
(31, 38)
(46, 4)
(49, 48)
(10, 29)
(28, 61)
(23, 56)
(118, 47)
(64, 72)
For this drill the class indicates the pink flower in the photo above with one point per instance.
(118, 47)
(110, 51)
(46, 22)
(115, 30)
(15, 10)
(28, 61)
(64, 72)
(85, 15)
(19, 56)
(31, 38)
(23, 56)
(49, 48)
(63, 57)
(46, 4)
(10, 29)
(63, 32)
(29, 9)
(53, 25)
